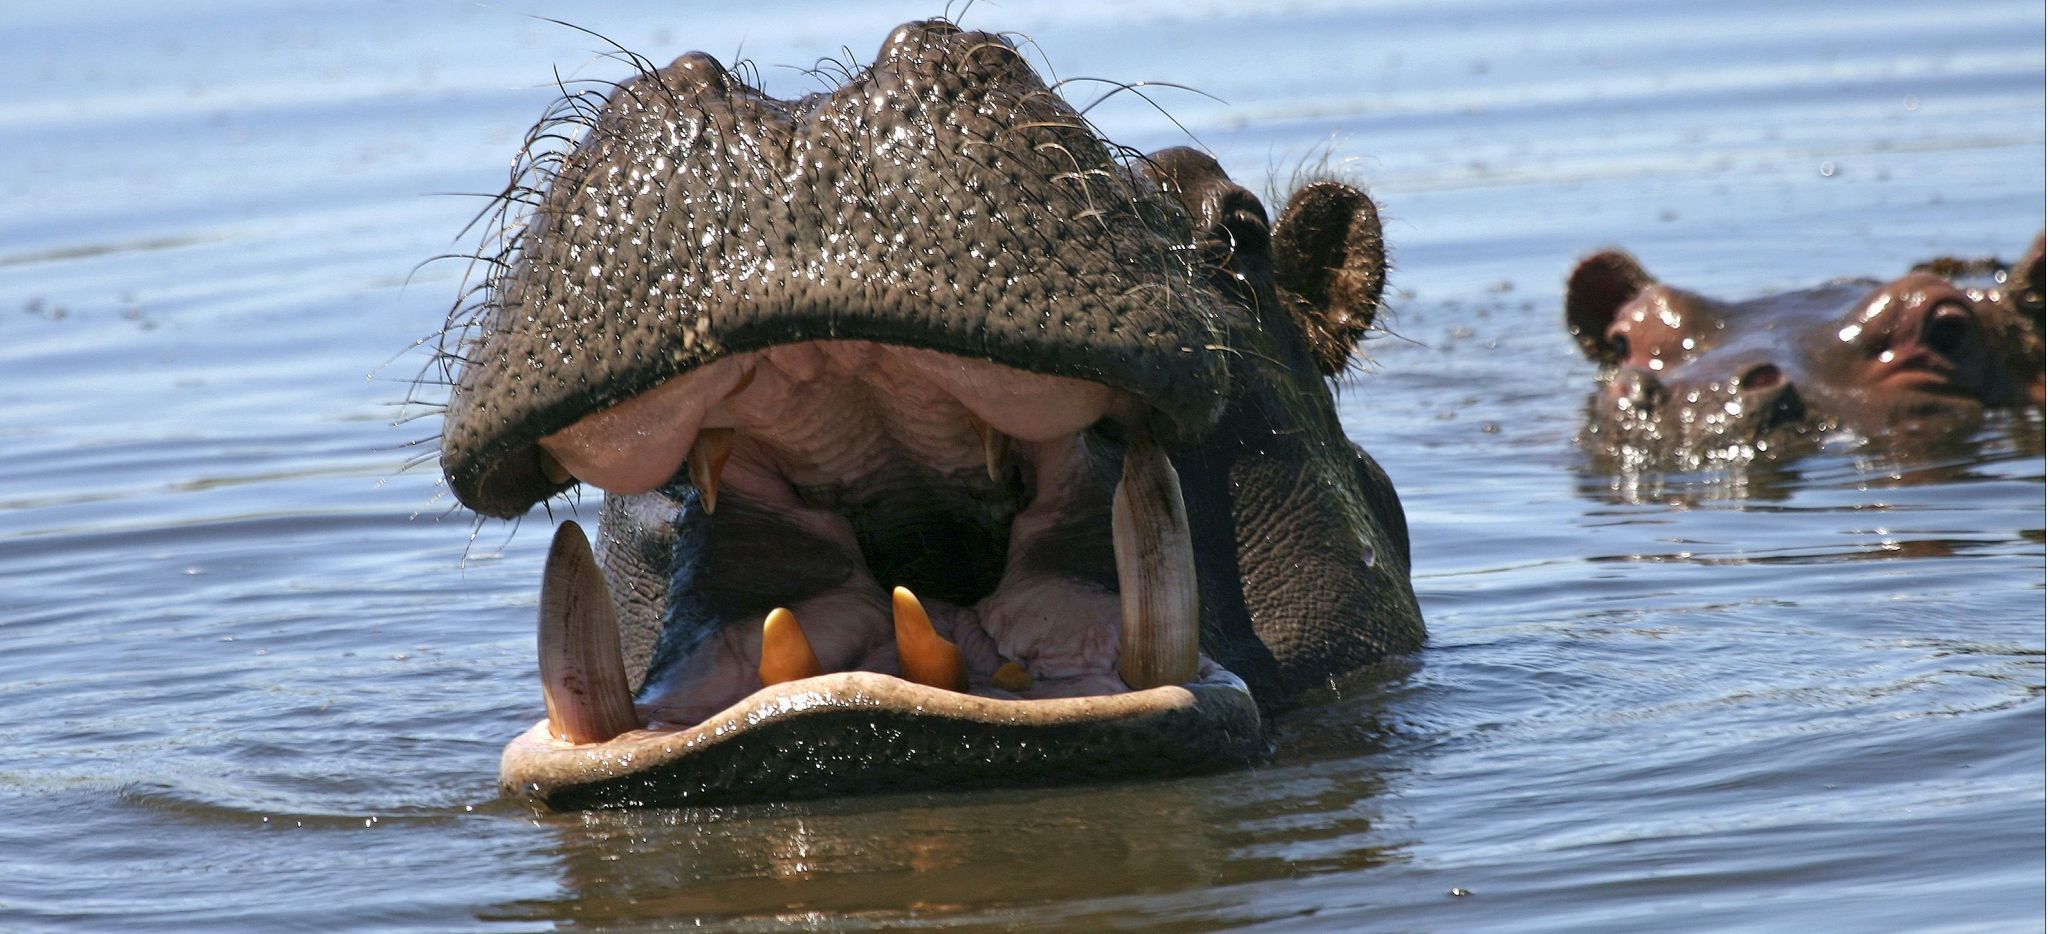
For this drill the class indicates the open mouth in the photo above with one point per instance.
(948, 560)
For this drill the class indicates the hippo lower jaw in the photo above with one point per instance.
(1043, 624)
(864, 732)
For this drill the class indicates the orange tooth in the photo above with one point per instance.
(926, 657)
(786, 653)
(1012, 677)
(707, 460)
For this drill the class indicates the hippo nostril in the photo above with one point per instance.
(1948, 328)
(1760, 377)
(1787, 407)
(1639, 389)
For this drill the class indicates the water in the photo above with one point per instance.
(256, 675)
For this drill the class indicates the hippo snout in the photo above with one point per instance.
(1637, 389)
(1703, 403)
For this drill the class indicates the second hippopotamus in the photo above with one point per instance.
(1701, 380)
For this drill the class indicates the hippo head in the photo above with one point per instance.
(1699, 380)
(942, 443)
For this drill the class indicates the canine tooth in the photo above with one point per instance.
(786, 653)
(581, 674)
(1155, 571)
(553, 469)
(995, 449)
(926, 657)
(707, 460)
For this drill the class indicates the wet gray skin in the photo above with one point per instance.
(1688, 380)
(925, 331)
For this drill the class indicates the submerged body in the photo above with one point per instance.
(942, 444)
(1689, 379)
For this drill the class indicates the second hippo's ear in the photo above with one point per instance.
(1330, 265)
(1594, 294)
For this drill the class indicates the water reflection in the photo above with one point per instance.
(1619, 471)
(1884, 549)
(993, 855)
(1004, 857)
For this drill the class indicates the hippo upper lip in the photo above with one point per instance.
(907, 207)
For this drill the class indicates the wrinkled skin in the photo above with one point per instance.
(859, 289)
(1692, 380)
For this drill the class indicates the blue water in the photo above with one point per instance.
(256, 673)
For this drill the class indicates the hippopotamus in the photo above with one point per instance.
(942, 443)
(1696, 380)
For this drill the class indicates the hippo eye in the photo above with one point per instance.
(1948, 329)
(1617, 344)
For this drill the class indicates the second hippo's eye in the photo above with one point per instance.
(1617, 345)
(1948, 329)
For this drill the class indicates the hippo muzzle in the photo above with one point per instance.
(886, 388)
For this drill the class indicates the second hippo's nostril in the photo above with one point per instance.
(1947, 328)
(1761, 377)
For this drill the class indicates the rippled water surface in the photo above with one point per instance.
(253, 673)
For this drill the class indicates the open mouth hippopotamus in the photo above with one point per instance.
(1696, 380)
(943, 444)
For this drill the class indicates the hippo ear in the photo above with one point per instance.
(1329, 265)
(1594, 294)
